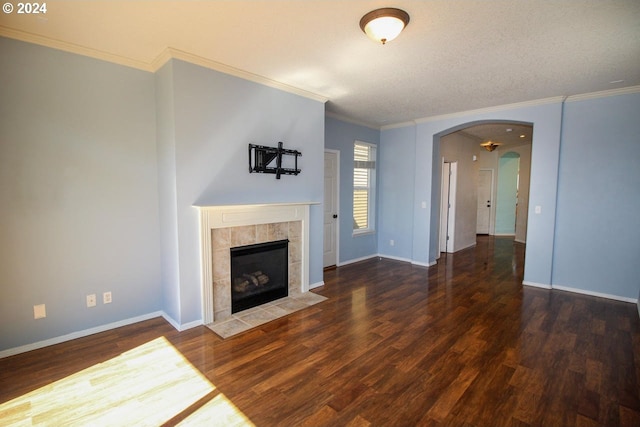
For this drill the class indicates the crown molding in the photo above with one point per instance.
(73, 48)
(495, 109)
(399, 125)
(604, 93)
(533, 103)
(171, 53)
(350, 120)
(158, 62)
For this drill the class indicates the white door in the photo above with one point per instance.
(448, 206)
(330, 208)
(485, 184)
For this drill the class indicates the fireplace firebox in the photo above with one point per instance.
(259, 274)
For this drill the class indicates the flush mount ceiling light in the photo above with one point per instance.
(490, 145)
(383, 25)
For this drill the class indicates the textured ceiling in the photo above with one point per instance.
(453, 56)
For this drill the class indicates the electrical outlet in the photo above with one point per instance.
(106, 298)
(39, 311)
(392, 242)
(91, 300)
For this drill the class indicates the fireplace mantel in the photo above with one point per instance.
(225, 216)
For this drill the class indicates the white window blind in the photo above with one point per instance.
(364, 166)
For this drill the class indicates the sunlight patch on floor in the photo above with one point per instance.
(219, 411)
(146, 386)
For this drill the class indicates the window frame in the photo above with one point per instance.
(370, 188)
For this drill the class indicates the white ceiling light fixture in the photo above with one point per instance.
(384, 25)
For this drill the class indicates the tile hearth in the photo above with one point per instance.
(254, 317)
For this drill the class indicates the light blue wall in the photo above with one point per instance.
(216, 117)
(340, 136)
(424, 203)
(598, 220)
(100, 166)
(507, 192)
(78, 193)
(396, 184)
(546, 120)
(168, 208)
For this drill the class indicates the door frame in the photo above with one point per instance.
(493, 200)
(337, 203)
(450, 217)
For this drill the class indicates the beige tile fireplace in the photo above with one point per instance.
(224, 227)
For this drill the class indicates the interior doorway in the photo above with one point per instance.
(331, 208)
(485, 201)
(507, 194)
(467, 144)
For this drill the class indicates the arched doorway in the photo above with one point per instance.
(467, 144)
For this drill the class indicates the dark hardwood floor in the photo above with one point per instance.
(461, 343)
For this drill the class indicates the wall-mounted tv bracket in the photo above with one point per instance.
(261, 157)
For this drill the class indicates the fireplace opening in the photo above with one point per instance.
(259, 274)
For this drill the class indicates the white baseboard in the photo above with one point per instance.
(177, 326)
(536, 285)
(352, 261)
(470, 245)
(425, 264)
(395, 258)
(582, 292)
(79, 334)
(595, 294)
(316, 285)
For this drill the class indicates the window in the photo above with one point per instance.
(364, 178)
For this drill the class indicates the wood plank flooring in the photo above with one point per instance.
(461, 343)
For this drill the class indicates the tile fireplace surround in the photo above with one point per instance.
(224, 227)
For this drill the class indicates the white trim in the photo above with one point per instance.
(153, 66)
(354, 260)
(399, 125)
(372, 187)
(494, 109)
(337, 190)
(190, 325)
(492, 212)
(604, 93)
(177, 326)
(582, 292)
(395, 258)
(171, 321)
(316, 285)
(505, 107)
(74, 48)
(536, 285)
(425, 264)
(224, 216)
(350, 120)
(83, 333)
(595, 294)
(470, 245)
(171, 53)
(520, 241)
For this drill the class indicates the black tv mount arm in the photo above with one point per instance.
(260, 157)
